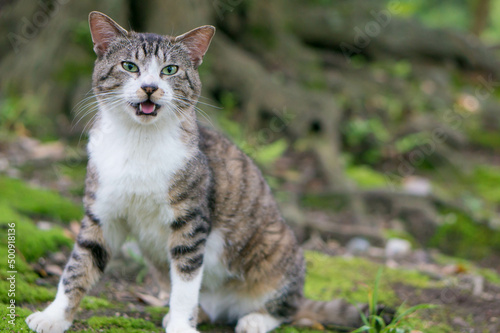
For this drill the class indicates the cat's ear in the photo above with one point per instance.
(103, 30)
(197, 42)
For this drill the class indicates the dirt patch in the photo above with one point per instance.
(462, 311)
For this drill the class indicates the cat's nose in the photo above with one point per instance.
(149, 89)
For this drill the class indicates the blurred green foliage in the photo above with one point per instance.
(38, 202)
(461, 236)
(458, 15)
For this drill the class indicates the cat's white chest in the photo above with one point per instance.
(135, 168)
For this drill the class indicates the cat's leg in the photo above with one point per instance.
(86, 265)
(182, 316)
(187, 246)
(203, 318)
(280, 308)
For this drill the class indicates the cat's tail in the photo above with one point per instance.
(337, 312)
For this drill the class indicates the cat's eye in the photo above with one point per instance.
(169, 70)
(130, 67)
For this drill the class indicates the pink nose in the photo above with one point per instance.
(149, 89)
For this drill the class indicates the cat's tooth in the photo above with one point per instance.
(140, 107)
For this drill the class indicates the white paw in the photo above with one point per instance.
(176, 327)
(256, 323)
(180, 329)
(43, 322)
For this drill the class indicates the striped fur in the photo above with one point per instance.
(199, 208)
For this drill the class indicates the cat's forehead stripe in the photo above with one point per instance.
(148, 45)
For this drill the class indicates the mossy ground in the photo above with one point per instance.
(327, 277)
(21, 204)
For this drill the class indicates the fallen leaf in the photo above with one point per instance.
(150, 299)
(54, 270)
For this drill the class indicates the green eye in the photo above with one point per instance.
(130, 67)
(170, 70)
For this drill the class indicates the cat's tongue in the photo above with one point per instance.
(147, 107)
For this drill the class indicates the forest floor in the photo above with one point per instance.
(466, 294)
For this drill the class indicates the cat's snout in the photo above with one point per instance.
(149, 89)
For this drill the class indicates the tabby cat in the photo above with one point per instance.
(199, 208)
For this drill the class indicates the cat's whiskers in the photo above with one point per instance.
(95, 116)
(90, 123)
(83, 103)
(195, 101)
(93, 106)
(171, 108)
(202, 112)
(84, 100)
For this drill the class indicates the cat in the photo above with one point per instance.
(199, 208)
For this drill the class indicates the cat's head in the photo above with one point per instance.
(146, 77)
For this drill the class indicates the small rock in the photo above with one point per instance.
(151, 300)
(417, 185)
(477, 285)
(358, 246)
(44, 225)
(397, 247)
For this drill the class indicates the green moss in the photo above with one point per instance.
(331, 202)
(17, 203)
(19, 325)
(268, 154)
(31, 242)
(121, 325)
(485, 179)
(39, 202)
(485, 138)
(461, 236)
(291, 329)
(260, 33)
(430, 321)
(95, 303)
(350, 278)
(156, 312)
(366, 177)
(26, 292)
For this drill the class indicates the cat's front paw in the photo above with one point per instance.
(180, 329)
(256, 323)
(43, 322)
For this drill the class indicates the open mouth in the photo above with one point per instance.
(146, 108)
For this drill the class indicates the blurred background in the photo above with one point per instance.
(371, 119)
